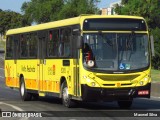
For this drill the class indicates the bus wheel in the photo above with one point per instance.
(23, 92)
(125, 104)
(66, 99)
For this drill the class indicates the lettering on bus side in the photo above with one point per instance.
(8, 68)
(27, 68)
(51, 70)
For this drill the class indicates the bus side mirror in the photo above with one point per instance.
(152, 45)
(79, 42)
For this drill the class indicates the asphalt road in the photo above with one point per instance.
(50, 107)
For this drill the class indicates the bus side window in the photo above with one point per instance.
(9, 47)
(64, 46)
(33, 45)
(52, 44)
(23, 46)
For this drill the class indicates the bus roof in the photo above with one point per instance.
(65, 22)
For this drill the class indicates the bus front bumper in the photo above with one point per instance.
(111, 94)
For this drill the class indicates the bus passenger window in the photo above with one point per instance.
(64, 46)
(9, 47)
(60, 49)
(52, 44)
(33, 45)
(23, 46)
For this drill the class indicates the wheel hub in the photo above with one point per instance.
(22, 89)
(65, 94)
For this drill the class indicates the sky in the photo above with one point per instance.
(15, 5)
(106, 3)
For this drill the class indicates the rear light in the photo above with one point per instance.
(143, 92)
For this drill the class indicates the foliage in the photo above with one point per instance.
(41, 11)
(156, 58)
(9, 20)
(150, 10)
(74, 8)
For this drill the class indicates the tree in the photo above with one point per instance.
(42, 11)
(150, 10)
(156, 58)
(9, 20)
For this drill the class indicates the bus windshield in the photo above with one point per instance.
(115, 51)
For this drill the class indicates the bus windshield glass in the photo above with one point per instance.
(115, 51)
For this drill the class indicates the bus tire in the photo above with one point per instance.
(66, 98)
(25, 96)
(125, 104)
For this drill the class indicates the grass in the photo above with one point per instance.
(155, 75)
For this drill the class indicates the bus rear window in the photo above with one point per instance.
(116, 24)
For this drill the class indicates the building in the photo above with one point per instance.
(110, 9)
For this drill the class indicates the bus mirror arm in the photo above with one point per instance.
(79, 42)
(152, 45)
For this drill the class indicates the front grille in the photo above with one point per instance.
(126, 84)
(123, 84)
(109, 84)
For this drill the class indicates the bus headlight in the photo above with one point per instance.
(91, 82)
(88, 80)
(141, 82)
(146, 79)
(85, 77)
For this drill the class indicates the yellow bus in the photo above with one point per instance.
(86, 58)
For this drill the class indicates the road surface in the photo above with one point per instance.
(50, 107)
